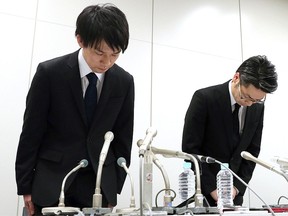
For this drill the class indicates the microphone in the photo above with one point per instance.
(178, 154)
(145, 143)
(122, 163)
(167, 197)
(97, 197)
(283, 162)
(248, 156)
(183, 155)
(61, 209)
(170, 153)
(108, 137)
(205, 159)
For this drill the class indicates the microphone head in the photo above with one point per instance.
(109, 136)
(139, 142)
(245, 155)
(152, 131)
(120, 161)
(83, 163)
(281, 161)
(210, 160)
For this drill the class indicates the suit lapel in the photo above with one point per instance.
(248, 130)
(108, 85)
(74, 79)
(227, 112)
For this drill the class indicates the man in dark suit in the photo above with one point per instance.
(208, 127)
(57, 130)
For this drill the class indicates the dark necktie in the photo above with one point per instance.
(91, 97)
(236, 135)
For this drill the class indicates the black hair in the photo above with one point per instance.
(259, 72)
(103, 22)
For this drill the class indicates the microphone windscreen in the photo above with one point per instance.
(84, 163)
(109, 136)
(152, 131)
(243, 154)
(120, 161)
(246, 155)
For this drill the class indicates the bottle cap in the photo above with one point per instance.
(187, 165)
(224, 166)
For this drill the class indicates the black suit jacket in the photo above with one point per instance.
(208, 131)
(55, 135)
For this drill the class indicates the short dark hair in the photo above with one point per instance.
(103, 22)
(259, 72)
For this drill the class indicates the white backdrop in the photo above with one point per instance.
(175, 48)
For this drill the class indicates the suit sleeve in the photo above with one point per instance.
(246, 167)
(123, 131)
(194, 125)
(34, 126)
(193, 135)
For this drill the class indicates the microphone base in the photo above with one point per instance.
(96, 211)
(196, 210)
(180, 210)
(60, 211)
(126, 210)
(169, 210)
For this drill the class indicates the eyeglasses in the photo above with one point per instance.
(260, 101)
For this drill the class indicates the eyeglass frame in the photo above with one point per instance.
(261, 101)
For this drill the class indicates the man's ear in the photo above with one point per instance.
(79, 40)
(236, 78)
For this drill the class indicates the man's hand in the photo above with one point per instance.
(28, 204)
(214, 195)
(234, 192)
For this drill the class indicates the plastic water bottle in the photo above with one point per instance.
(224, 188)
(186, 182)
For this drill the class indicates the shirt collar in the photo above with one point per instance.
(84, 67)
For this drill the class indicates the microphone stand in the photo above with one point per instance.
(234, 174)
(178, 154)
(97, 196)
(61, 209)
(147, 173)
(248, 156)
(146, 154)
(167, 198)
(122, 163)
(198, 194)
(141, 182)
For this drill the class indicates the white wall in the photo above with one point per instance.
(175, 48)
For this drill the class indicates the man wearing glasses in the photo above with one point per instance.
(209, 127)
